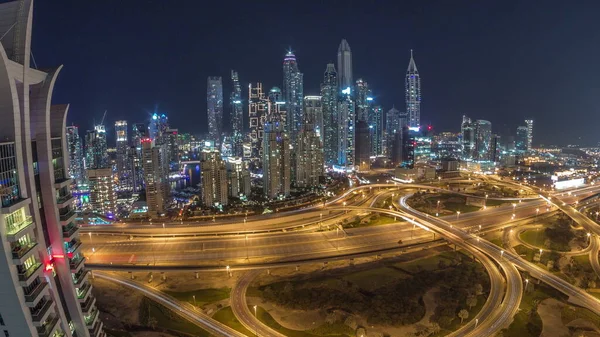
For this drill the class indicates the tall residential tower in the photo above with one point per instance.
(237, 124)
(344, 58)
(412, 86)
(293, 95)
(329, 104)
(214, 102)
(44, 284)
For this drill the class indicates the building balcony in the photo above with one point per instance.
(49, 328)
(76, 263)
(91, 318)
(84, 292)
(61, 182)
(36, 294)
(96, 330)
(30, 274)
(70, 232)
(66, 218)
(14, 206)
(88, 305)
(73, 247)
(17, 230)
(23, 252)
(65, 200)
(80, 278)
(42, 312)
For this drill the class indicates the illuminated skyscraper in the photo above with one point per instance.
(344, 58)
(96, 150)
(363, 146)
(483, 141)
(467, 129)
(276, 160)
(363, 100)
(257, 110)
(139, 132)
(309, 159)
(43, 281)
(237, 120)
(159, 123)
(521, 139)
(392, 126)
(123, 163)
(214, 179)
(346, 129)
(376, 127)
(329, 99)
(529, 124)
(413, 93)
(156, 180)
(76, 163)
(214, 102)
(277, 106)
(103, 197)
(293, 95)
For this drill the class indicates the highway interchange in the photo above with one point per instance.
(299, 237)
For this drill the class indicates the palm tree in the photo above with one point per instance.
(463, 314)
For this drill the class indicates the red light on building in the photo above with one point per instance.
(59, 256)
(49, 266)
(429, 127)
(146, 140)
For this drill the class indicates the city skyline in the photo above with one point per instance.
(458, 52)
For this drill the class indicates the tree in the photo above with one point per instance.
(463, 314)
(434, 328)
(478, 289)
(152, 322)
(471, 301)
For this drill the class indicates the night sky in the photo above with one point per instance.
(503, 61)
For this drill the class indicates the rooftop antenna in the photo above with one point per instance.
(104, 116)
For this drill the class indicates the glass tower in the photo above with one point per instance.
(413, 93)
(214, 102)
(237, 124)
(329, 99)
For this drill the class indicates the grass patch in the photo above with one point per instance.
(116, 333)
(166, 319)
(372, 279)
(497, 241)
(382, 220)
(534, 237)
(333, 330)
(227, 317)
(571, 313)
(472, 313)
(527, 322)
(428, 263)
(203, 296)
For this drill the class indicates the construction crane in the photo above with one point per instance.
(104, 116)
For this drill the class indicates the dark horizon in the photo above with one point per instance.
(503, 62)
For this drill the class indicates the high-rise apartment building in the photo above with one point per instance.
(329, 104)
(293, 94)
(309, 158)
(392, 126)
(154, 157)
(237, 119)
(103, 197)
(172, 146)
(313, 112)
(467, 129)
(238, 178)
(521, 140)
(258, 106)
(159, 123)
(277, 106)
(344, 58)
(214, 179)
(76, 162)
(346, 129)
(529, 124)
(43, 281)
(123, 162)
(276, 160)
(139, 132)
(96, 150)
(483, 141)
(363, 99)
(376, 128)
(363, 146)
(214, 104)
(412, 86)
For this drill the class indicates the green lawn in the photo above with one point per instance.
(227, 317)
(173, 322)
(570, 313)
(372, 279)
(428, 263)
(498, 242)
(382, 220)
(481, 299)
(534, 237)
(526, 324)
(333, 330)
(203, 296)
(492, 202)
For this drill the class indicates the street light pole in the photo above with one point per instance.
(256, 328)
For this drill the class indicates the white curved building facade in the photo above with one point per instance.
(44, 287)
